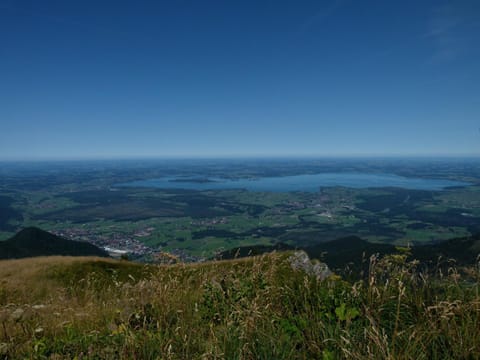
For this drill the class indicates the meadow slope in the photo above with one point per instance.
(252, 308)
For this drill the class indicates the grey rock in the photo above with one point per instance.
(301, 262)
(39, 306)
(17, 314)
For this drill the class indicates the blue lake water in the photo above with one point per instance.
(308, 183)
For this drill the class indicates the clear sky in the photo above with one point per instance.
(86, 79)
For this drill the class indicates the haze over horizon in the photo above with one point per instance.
(86, 79)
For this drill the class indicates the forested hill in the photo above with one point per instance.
(353, 251)
(32, 241)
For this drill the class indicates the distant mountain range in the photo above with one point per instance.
(32, 241)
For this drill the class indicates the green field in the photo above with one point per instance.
(199, 223)
(85, 205)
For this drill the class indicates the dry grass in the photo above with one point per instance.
(257, 308)
(18, 271)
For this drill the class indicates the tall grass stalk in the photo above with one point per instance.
(256, 308)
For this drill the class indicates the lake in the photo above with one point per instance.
(308, 183)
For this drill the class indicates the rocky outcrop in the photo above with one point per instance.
(301, 262)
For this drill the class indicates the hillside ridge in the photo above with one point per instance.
(32, 242)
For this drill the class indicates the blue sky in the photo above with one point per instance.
(87, 79)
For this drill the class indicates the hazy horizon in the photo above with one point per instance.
(259, 157)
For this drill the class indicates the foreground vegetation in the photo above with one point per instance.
(253, 308)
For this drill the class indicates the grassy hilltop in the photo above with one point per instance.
(252, 308)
